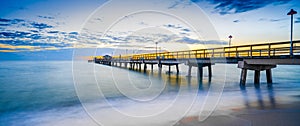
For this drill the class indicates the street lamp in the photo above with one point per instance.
(229, 40)
(292, 12)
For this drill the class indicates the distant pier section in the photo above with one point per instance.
(256, 57)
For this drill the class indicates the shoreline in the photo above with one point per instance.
(283, 114)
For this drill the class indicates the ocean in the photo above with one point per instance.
(66, 93)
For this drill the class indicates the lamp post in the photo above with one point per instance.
(292, 12)
(229, 40)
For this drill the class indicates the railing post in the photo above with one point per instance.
(229, 52)
(260, 52)
(213, 53)
(269, 50)
(236, 52)
(251, 51)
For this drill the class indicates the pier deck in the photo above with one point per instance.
(256, 57)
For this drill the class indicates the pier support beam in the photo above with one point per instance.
(125, 64)
(256, 76)
(152, 67)
(140, 66)
(269, 76)
(190, 71)
(257, 69)
(177, 69)
(243, 77)
(209, 73)
(200, 70)
(145, 67)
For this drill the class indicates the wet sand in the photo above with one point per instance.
(281, 115)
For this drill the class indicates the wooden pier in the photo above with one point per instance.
(256, 57)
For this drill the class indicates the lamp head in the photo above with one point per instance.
(292, 12)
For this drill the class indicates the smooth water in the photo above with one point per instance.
(49, 93)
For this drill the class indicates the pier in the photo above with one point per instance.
(256, 57)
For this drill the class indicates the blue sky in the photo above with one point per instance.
(48, 29)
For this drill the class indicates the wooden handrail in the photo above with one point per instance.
(254, 50)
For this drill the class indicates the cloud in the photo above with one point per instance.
(297, 20)
(189, 40)
(46, 17)
(272, 20)
(40, 25)
(276, 20)
(236, 21)
(8, 22)
(53, 32)
(224, 7)
(177, 27)
(174, 5)
(196, 41)
(36, 35)
(186, 30)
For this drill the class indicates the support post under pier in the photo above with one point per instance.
(257, 68)
(209, 73)
(200, 72)
(190, 71)
(269, 76)
(243, 77)
(145, 67)
(177, 69)
(256, 76)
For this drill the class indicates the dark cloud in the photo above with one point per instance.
(175, 4)
(4, 24)
(215, 42)
(40, 25)
(177, 27)
(224, 7)
(4, 20)
(297, 20)
(46, 17)
(53, 32)
(74, 33)
(189, 40)
(8, 22)
(196, 41)
(35, 34)
(186, 30)
(236, 21)
(18, 34)
(172, 26)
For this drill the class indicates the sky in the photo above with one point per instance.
(60, 29)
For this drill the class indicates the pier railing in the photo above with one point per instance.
(267, 50)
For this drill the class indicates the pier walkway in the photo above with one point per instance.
(256, 57)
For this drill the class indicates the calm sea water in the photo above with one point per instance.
(55, 93)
